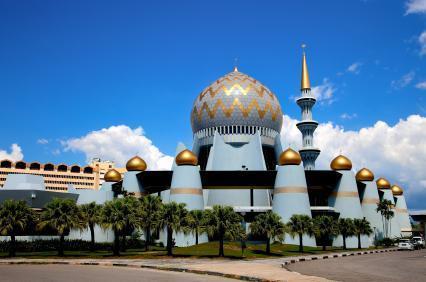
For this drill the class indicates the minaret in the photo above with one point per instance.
(307, 126)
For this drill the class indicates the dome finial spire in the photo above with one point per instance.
(236, 64)
(305, 83)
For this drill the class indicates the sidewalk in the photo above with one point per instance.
(252, 270)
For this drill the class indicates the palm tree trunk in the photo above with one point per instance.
(359, 240)
(268, 245)
(324, 247)
(147, 238)
(123, 242)
(92, 237)
(301, 242)
(344, 242)
(61, 245)
(221, 252)
(12, 246)
(116, 247)
(196, 236)
(169, 241)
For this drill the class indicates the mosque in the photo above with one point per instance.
(237, 159)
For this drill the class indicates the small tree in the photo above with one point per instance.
(113, 217)
(173, 219)
(194, 223)
(15, 217)
(299, 225)
(385, 209)
(132, 210)
(150, 215)
(361, 227)
(223, 222)
(268, 224)
(90, 216)
(325, 228)
(346, 229)
(61, 215)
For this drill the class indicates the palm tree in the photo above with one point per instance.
(361, 227)
(131, 208)
(325, 227)
(194, 222)
(225, 223)
(268, 224)
(173, 219)
(113, 217)
(15, 217)
(385, 209)
(300, 224)
(90, 216)
(150, 215)
(61, 215)
(346, 229)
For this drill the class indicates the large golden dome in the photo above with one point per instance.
(236, 99)
(382, 183)
(289, 157)
(364, 174)
(396, 190)
(341, 163)
(186, 157)
(112, 176)
(136, 164)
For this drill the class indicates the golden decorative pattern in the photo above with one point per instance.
(186, 157)
(401, 210)
(282, 190)
(236, 103)
(364, 175)
(190, 191)
(396, 190)
(347, 194)
(136, 164)
(382, 183)
(112, 176)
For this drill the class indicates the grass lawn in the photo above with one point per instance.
(206, 250)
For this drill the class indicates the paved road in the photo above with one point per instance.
(68, 273)
(394, 266)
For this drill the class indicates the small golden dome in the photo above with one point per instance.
(364, 175)
(136, 164)
(186, 157)
(289, 157)
(341, 163)
(112, 176)
(396, 190)
(383, 183)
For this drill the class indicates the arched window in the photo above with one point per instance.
(75, 168)
(49, 167)
(62, 167)
(20, 165)
(34, 166)
(6, 164)
(88, 169)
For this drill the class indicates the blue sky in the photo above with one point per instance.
(68, 68)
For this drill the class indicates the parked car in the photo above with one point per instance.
(405, 244)
(418, 242)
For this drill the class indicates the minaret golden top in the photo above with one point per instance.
(305, 83)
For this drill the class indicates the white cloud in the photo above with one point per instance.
(403, 81)
(422, 42)
(42, 141)
(415, 7)
(14, 155)
(421, 85)
(348, 116)
(324, 92)
(119, 144)
(354, 68)
(396, 152)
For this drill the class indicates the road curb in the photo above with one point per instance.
(329, 256)
(163, 268)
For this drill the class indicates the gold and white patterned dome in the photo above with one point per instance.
(236, 102)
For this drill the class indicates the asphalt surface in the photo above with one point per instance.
(393, 266)
(68, 273)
